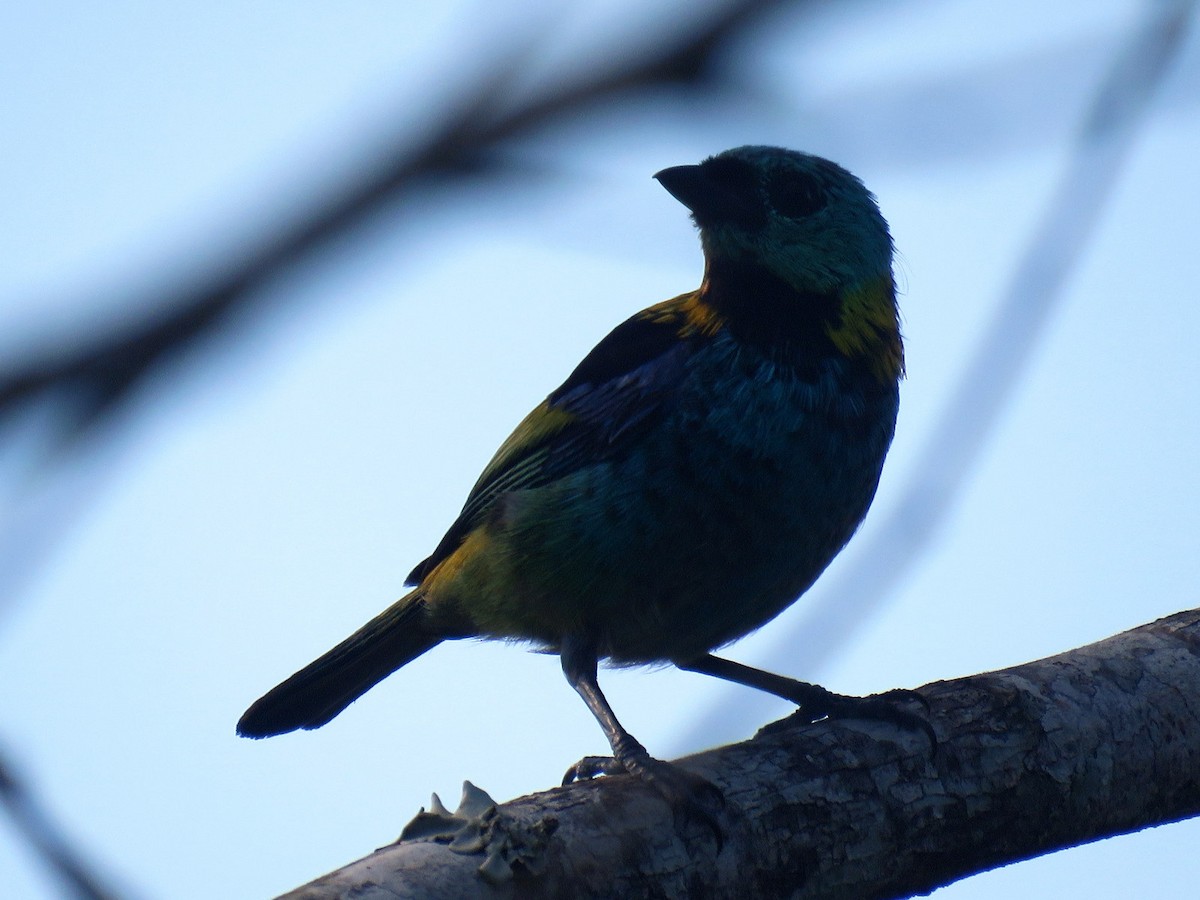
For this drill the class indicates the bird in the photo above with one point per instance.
(688, 481)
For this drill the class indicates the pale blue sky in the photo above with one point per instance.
(269, 495)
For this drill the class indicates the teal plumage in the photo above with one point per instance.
(691, 478)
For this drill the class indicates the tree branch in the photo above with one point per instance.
(1095, 742)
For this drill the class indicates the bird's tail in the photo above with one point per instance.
(325, 687)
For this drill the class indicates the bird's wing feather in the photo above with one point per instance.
(615, 393)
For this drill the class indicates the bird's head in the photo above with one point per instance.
(803, 218)
(794, 242)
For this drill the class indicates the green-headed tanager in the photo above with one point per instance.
(689, 480)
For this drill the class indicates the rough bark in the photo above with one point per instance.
(1099, 741)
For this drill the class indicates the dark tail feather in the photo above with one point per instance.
(323, 688)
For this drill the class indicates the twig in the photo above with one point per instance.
(47, 840)
(97, 376)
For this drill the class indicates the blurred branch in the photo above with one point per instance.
(99, 375)
(1096, 742)
(35, 825)
(1073, 212)
(96, 377)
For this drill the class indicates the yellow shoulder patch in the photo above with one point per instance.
(870, 326)
(689, 313)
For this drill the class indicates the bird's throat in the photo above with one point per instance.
(763, 310)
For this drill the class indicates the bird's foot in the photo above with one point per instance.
(818, 703)
(691, 798)
(591, 766)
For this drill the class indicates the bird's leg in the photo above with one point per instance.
(814, 700)
(579, 665)
(688, 794)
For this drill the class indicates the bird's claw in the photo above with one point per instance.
(591, 766)
(880, 708)
(903, 695)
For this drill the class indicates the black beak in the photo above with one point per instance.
(687, 184)
(713, 201)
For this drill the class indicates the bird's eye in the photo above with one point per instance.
(795, 196)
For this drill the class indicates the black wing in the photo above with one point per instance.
(613, 396)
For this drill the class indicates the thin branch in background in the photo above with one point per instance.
(884, 557)
(47, 840)
(88, 384)
(98, 377)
